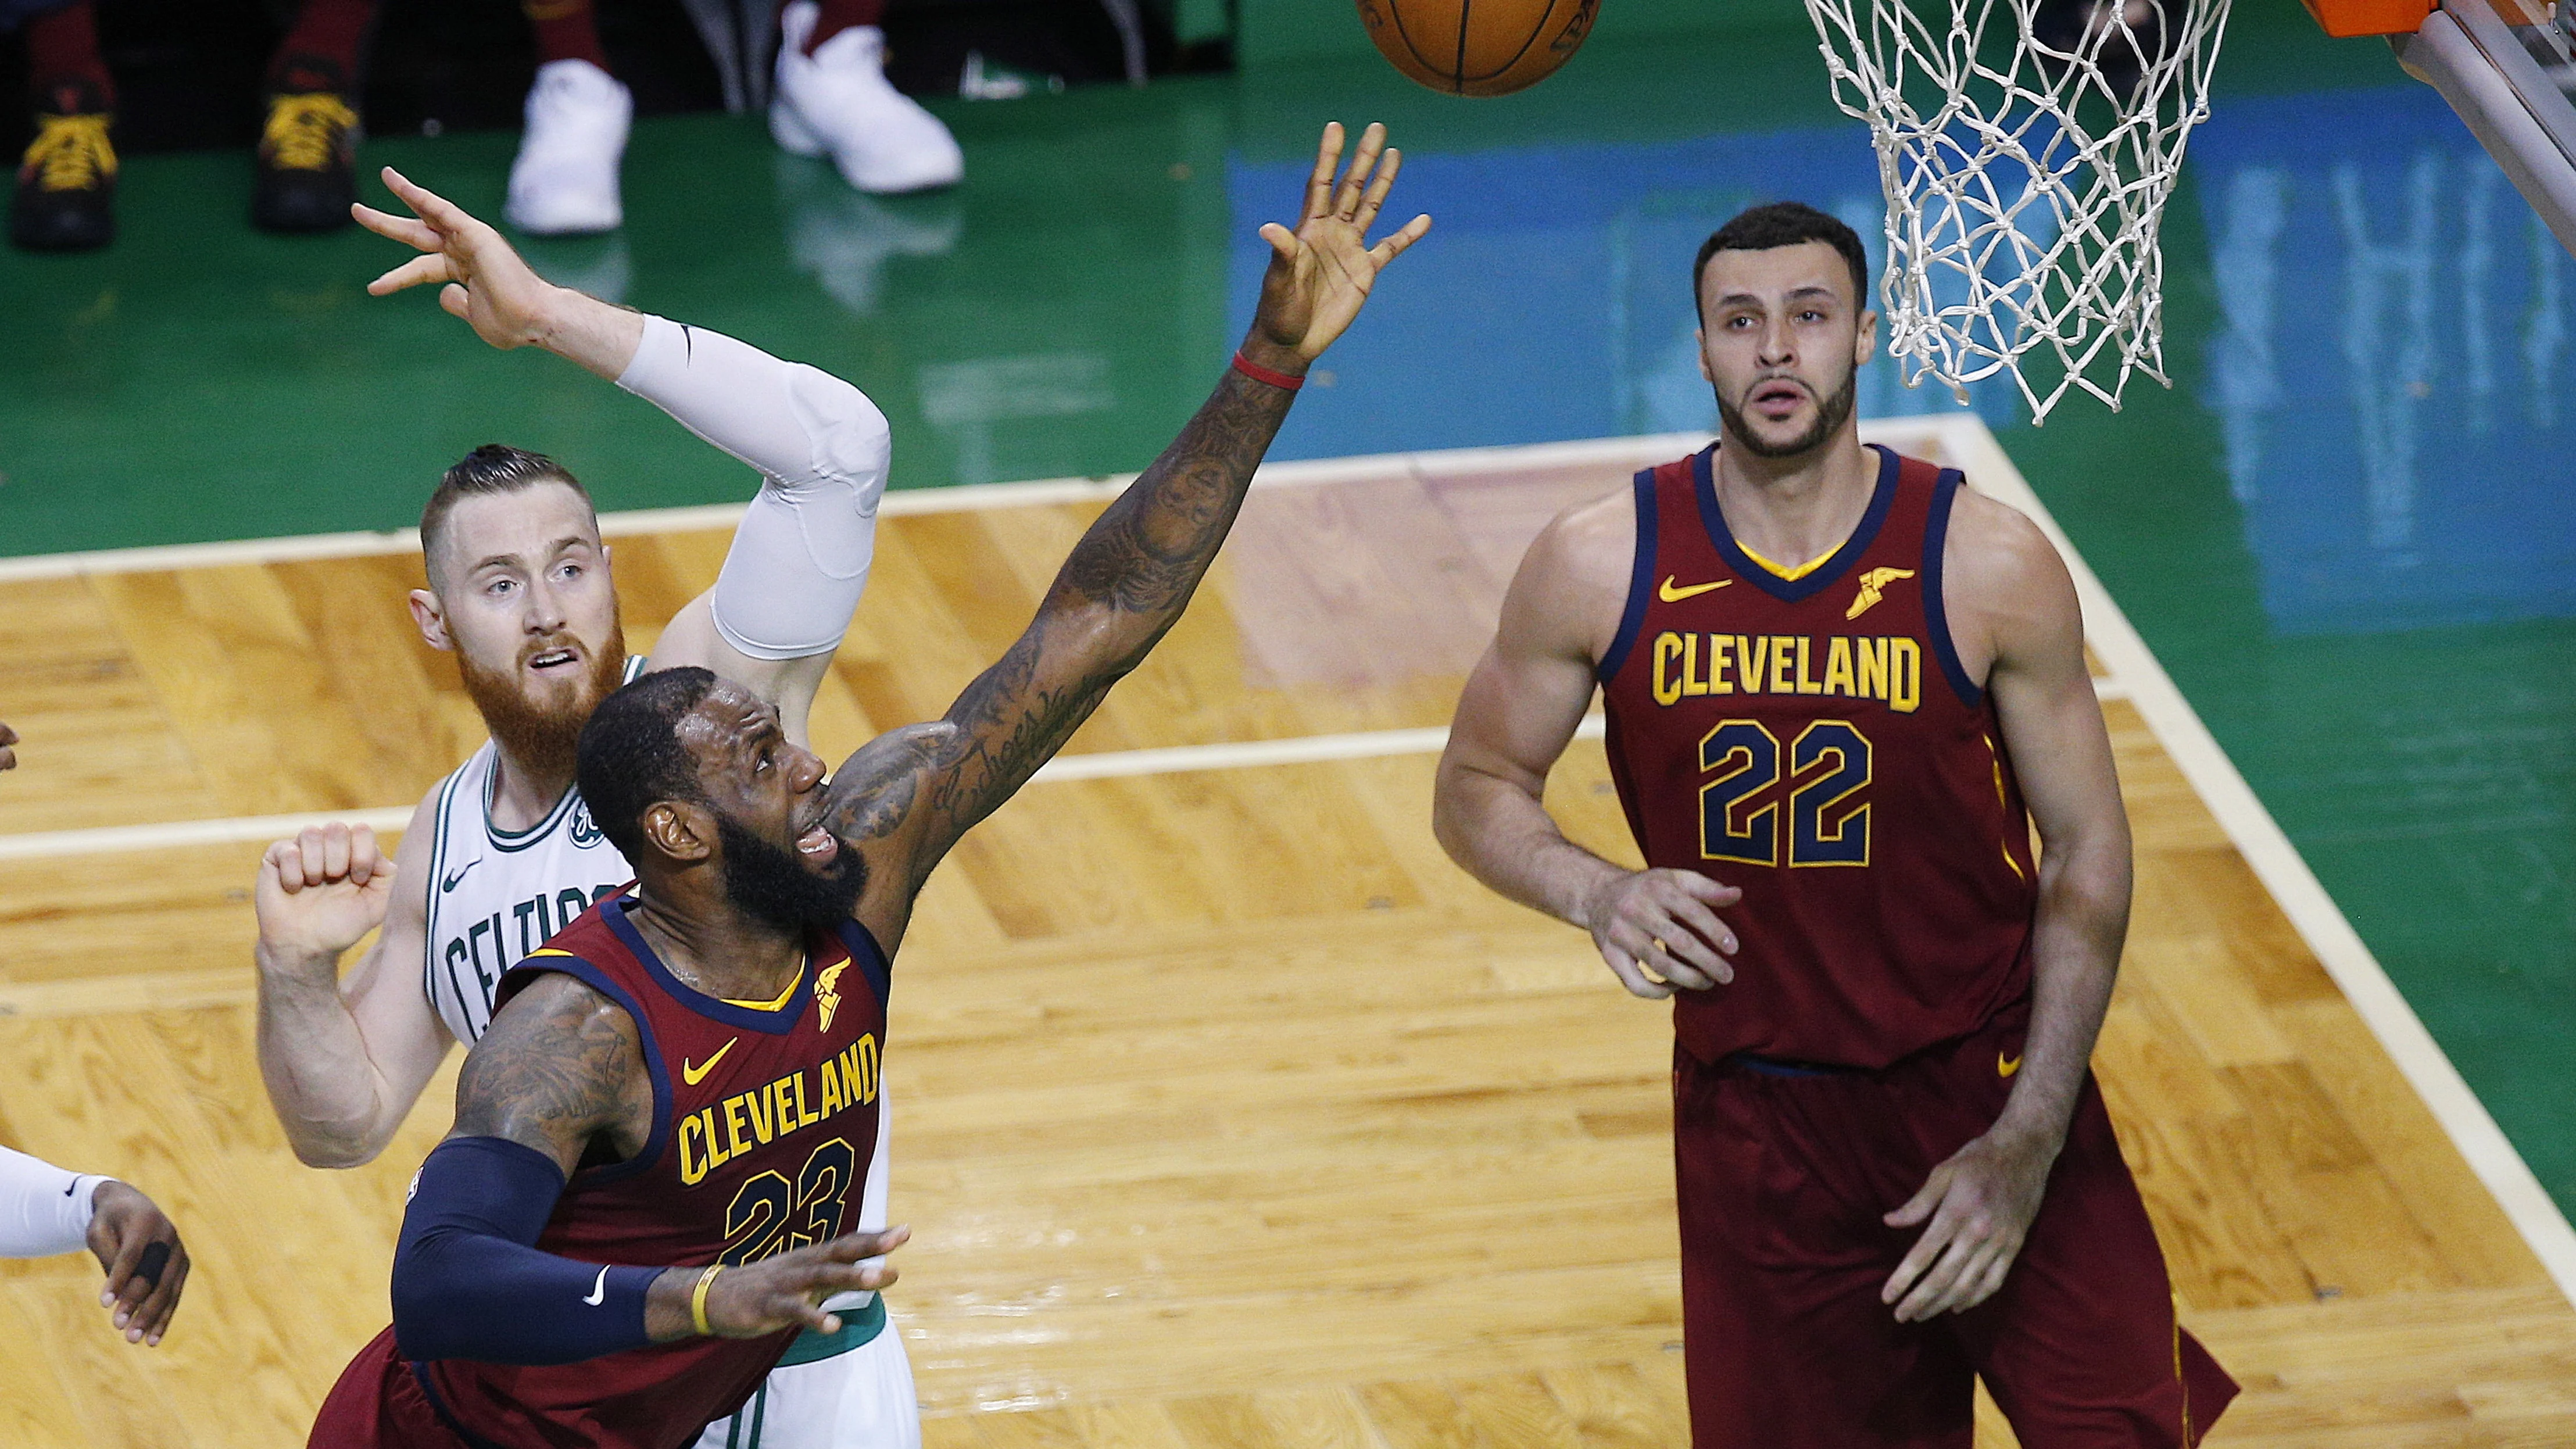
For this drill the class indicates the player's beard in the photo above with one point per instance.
(1830, 414)
(777, 887)
(541, 735)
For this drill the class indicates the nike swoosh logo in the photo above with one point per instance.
(1671, 594)
(696, 1074)
(598, 1290)
(2004, 1066)
(450, 883)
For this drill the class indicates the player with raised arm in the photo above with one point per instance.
(45, 1210)
(1841, 689)
(649, 1186)
(503, 852)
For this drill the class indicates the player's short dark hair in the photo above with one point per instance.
(491, 469)
(1784, 224)
(630, 757)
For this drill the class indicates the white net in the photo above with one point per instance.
(2026, 148)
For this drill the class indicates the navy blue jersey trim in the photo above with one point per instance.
(715, 1008)
(1826, 574)
(514, 841)
(438, 1406)
(600, 981)
(1936, 618)
(874, 964)
(1641, 579)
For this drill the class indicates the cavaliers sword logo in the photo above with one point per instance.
(827, 991)
(1872, 586)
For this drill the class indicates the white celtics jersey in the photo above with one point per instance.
(496, 895)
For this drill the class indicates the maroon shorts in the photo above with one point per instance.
(1783, 1182)
(379, 1402)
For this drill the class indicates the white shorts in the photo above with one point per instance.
(861, 1399)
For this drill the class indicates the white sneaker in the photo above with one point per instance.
(565, 180)
(837, 100)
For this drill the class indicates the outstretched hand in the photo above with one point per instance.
(1321, 272)
(787, 1291)
(485, 281)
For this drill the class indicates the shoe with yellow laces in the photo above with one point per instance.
(66, 200)
(307, 163)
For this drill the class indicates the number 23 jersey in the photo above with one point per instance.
(765, 1117)
(1814, 740)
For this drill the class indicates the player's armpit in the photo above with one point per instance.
(560, 1065)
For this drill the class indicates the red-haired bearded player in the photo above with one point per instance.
(1841, 687)
(608, 1252)
(504, 852)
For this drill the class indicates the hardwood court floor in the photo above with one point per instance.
(1226, 1111)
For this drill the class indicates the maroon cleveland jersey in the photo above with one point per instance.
(1815, 741)
(764, 1118)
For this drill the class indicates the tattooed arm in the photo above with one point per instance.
(907, 797)
(562, 1071)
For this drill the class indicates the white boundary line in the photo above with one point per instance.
(1964, 442)
(2277, 863)
(898, 503)
(1105, 765)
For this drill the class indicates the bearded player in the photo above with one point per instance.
(1841, 689)
(504, 852)
(651, 1182)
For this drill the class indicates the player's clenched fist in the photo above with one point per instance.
(1658, 929)
(322, 890)
(8, 756)
(777, 1293)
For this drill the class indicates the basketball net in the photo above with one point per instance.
(2026, 148)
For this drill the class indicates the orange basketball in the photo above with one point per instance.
(1478, 47)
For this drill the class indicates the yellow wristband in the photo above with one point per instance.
(698, 1300)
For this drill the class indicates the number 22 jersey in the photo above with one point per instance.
(1814, 740)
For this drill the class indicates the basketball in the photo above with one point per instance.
(1478, 47)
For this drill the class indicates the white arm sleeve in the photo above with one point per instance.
(800, 559)
(43, 1209)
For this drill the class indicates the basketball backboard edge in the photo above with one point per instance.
(2504, 66)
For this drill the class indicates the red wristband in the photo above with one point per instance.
(1258, 373)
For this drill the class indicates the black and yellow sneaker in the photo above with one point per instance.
(66, 199)
(307, 161)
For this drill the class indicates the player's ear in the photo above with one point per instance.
(1865, 346)
(1699, 340)
(683, 831)
(432, 619)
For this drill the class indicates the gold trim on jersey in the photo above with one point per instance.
(780, 1003)
(1786, 573)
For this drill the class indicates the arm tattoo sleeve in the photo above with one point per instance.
(552, 1071)
(1121, 589)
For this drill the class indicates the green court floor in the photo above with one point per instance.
(2346, 529)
